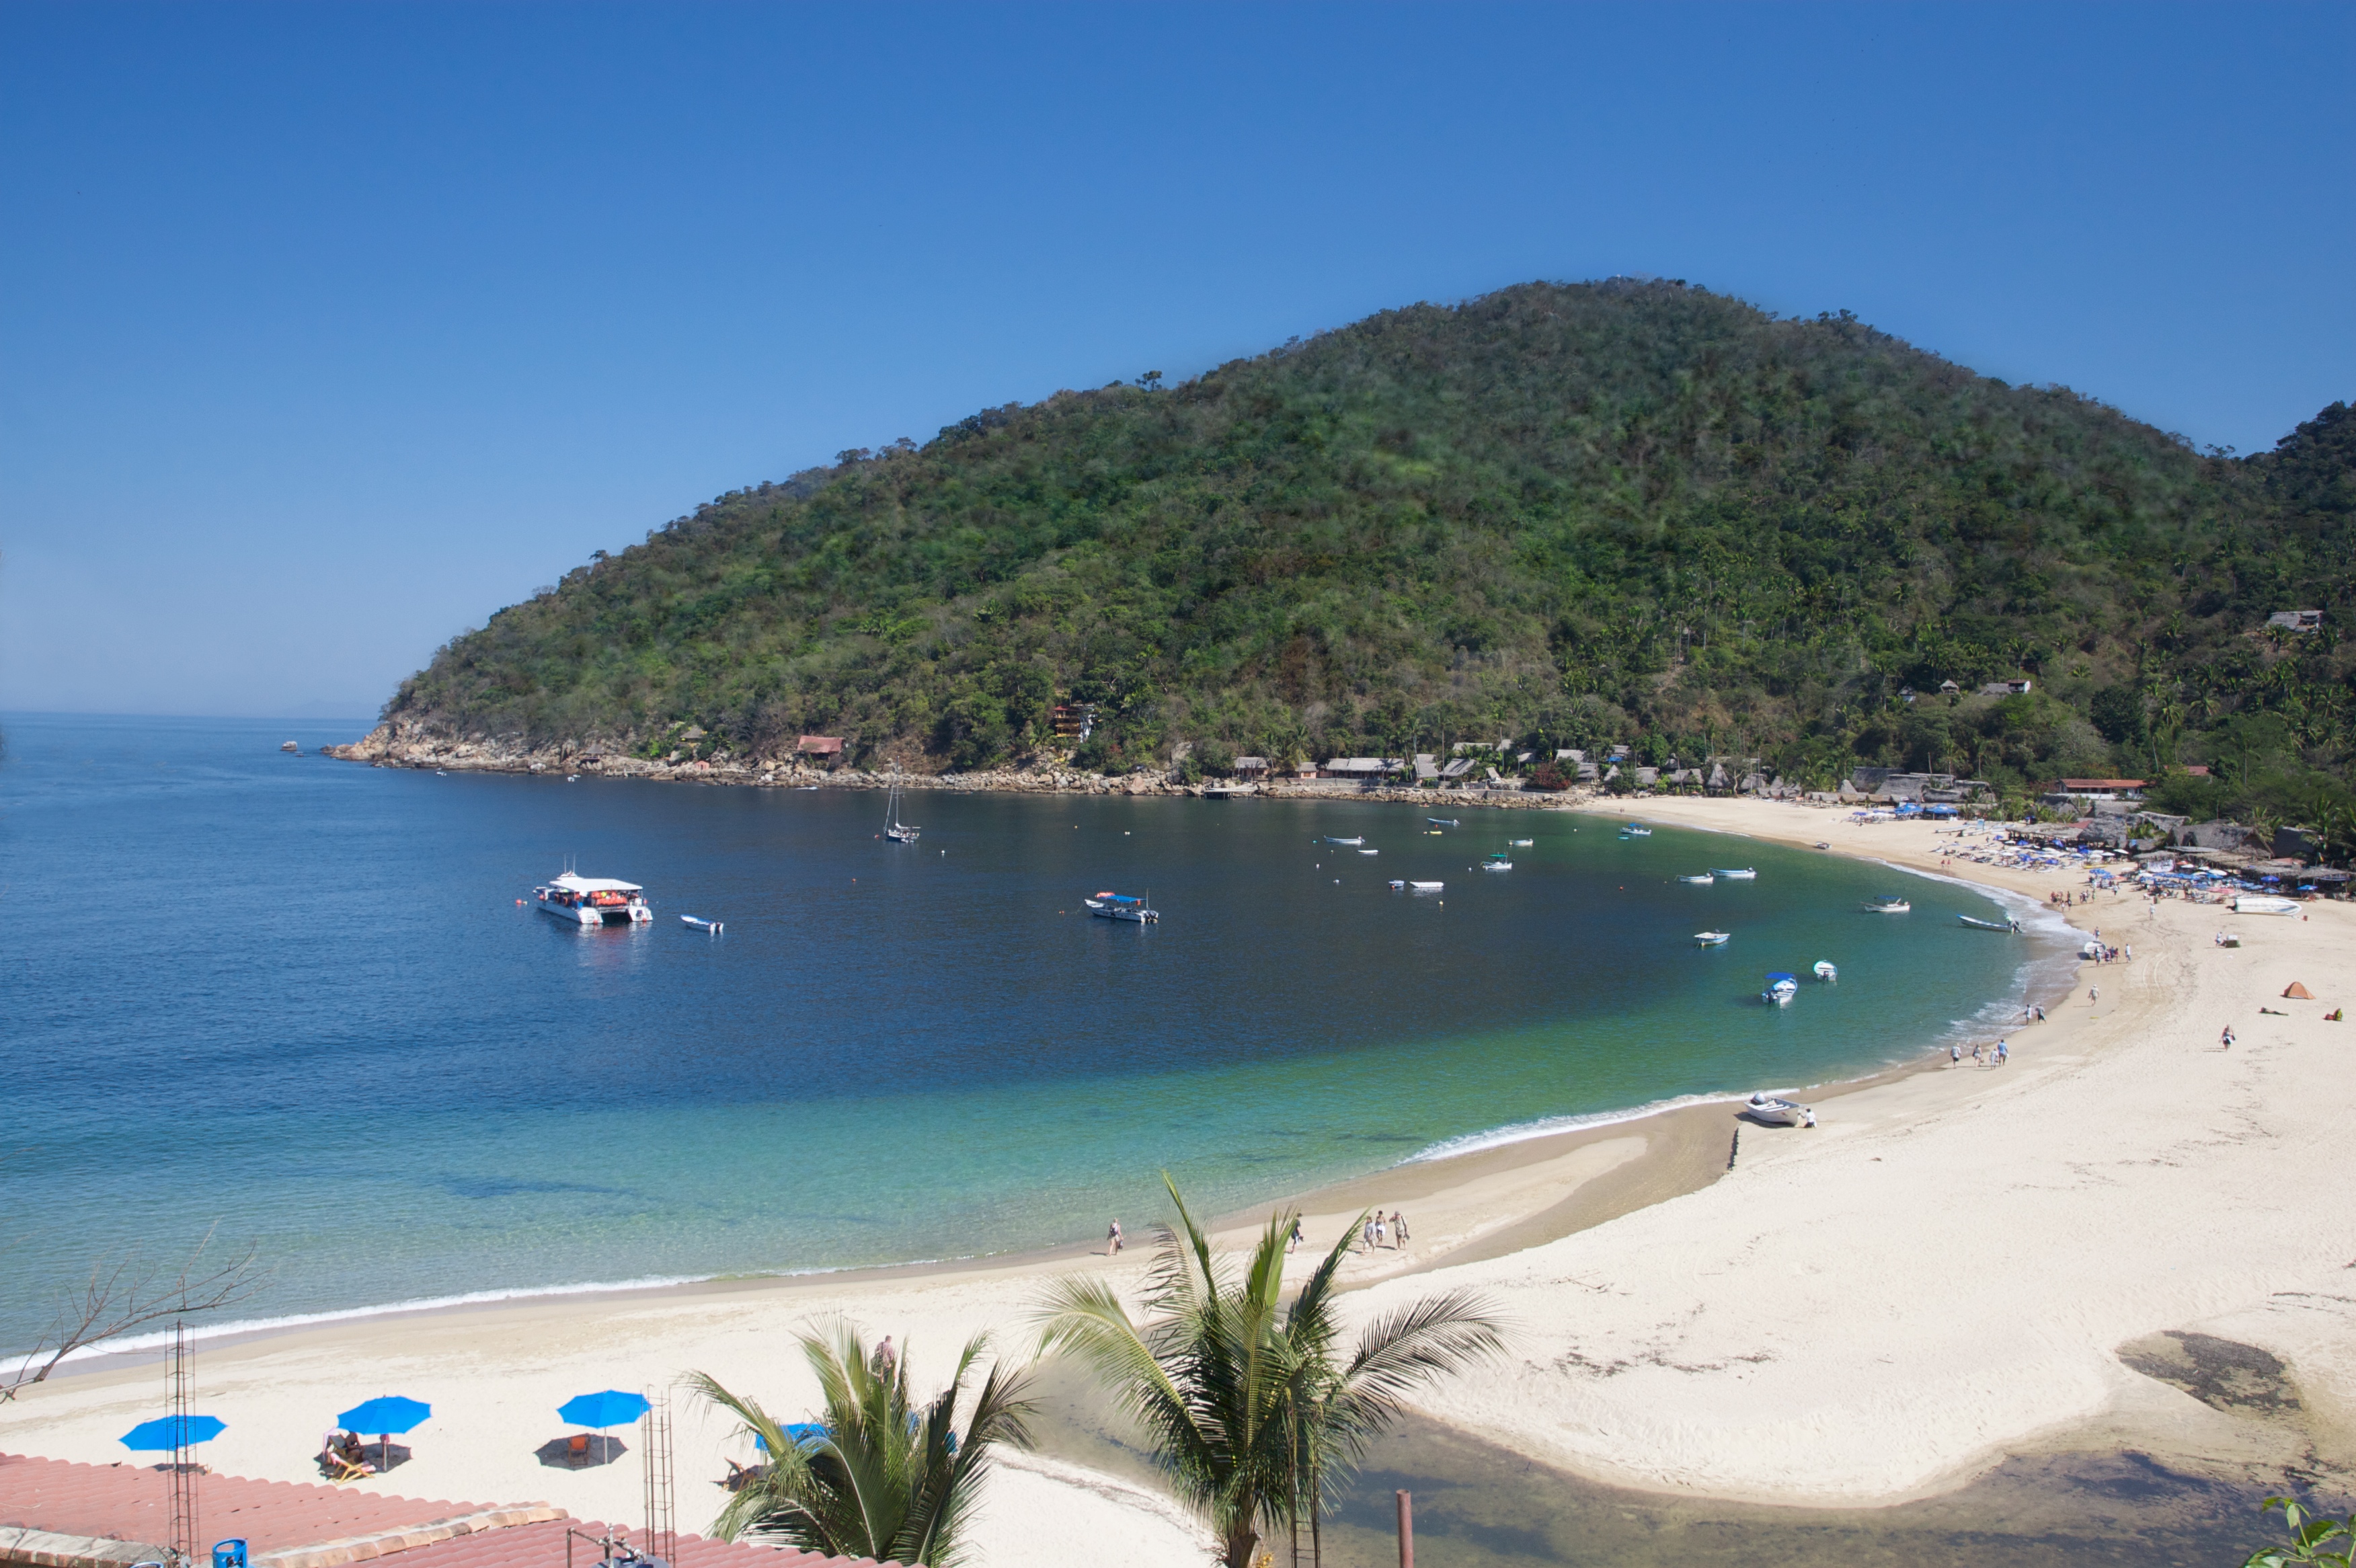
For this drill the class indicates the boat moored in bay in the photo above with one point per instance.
(1888, 904)
(593, 901)
(1121, 906)
(1781, 988)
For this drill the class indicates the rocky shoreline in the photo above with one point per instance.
(385, 747)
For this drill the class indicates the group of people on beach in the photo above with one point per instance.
(1981, 1055)
(1377, 1232)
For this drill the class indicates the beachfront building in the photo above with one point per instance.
(826, 749)
(2092, 791)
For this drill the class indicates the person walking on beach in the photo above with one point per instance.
(1382, 1230)
(2094, 994)
(1954, 1053)
(1976, 1055)
(1399, 1228)
(2002, 1051)
(1292, 1244)
(1112, 1240)
(885, 1359)
(2225, 1041)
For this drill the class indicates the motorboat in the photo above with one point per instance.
(1442, 822)
(1745, 874)
(1494, 863)
(1822, 845)
(1121, 906)
(1781, 988)
(1712, 938)
(1825, 971)
(1779, 1111)
(593, 901)
(1352, 843)
(714, 927)
(1989, 925)
(1370, 852)
(1427, 886)
(289, 745)
(2265, 904)
(1704, 880)
(1399, 886)
(1522, 843)
(1637, 830)
(1888, 904)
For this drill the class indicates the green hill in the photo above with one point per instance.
(1634, 512)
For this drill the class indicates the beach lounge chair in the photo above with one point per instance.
(577, 1450)
(336, 1464)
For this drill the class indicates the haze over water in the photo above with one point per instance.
(299, 997)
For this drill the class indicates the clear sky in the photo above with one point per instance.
(325, 330)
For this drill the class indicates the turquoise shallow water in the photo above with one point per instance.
(297, 997)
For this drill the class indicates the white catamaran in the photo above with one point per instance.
(593, 901)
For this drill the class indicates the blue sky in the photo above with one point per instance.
(325, 330)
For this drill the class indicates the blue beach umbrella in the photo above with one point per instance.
(611, 1408)
(384, 1415)
(172, 1432)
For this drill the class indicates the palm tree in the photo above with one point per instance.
(879, 1476)
(1244, 1398)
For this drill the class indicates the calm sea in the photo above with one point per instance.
(298, 998)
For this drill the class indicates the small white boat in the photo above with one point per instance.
(1637, 830)
(2265, 904)
(1824, 970)
(1888, 904)
(1704, 880)
(593, 901)
(1781, 988)
(1427, 886)
(714, 927)
(1745, 874)
(1780, 1112)
(1352, 842)
(1442, 822)
(1370, 852)
(1496, 865)
(1989, 925)
(572, 779)
(1121, 906)
(1399, 886)
(1521, 843)
(1712, 938)
(289, 745)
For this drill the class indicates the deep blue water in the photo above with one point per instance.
(298, 997)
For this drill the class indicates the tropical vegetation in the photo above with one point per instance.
(1627, 512)
(2307, 1538)
(877, 1473)
(1249, 1401)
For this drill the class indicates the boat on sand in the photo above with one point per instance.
(1780, 1112)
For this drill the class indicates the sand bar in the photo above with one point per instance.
(1943, 1271)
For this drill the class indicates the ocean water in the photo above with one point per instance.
(297, 999)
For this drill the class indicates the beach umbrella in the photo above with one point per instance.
(384, 1415)
(172, 1432)
(611, 1408)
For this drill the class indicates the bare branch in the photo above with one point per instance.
(125, 1294)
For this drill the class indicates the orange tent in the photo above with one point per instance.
(2301, 992)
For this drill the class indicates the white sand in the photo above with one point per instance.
(1938, 1273)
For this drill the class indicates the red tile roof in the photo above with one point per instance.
(303, 1525)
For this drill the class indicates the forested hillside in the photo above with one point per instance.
(1634, 512)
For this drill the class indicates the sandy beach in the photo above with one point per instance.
(1955, 1265)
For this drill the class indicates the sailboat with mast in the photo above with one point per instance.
(894, 829)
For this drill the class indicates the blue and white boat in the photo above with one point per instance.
(1704, 880)
(1712, 938)
(1442, 822)
(1121, 906)
(1781, 988)
(1745, 874)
